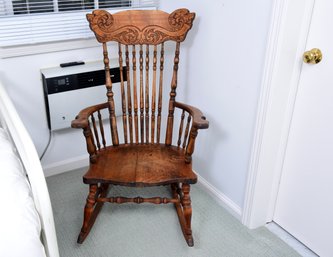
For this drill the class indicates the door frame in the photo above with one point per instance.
(290, 25)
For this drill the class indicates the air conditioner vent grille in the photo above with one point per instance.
(91, 79)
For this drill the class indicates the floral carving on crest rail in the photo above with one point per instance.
(163, 26)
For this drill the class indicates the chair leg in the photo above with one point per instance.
(91, 209)
(184, 210)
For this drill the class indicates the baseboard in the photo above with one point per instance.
(222, 199)
(66, 165)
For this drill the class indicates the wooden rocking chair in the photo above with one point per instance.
(135, 157)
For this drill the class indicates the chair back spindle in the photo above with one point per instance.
(135, 95)
(160, 93)
(153, 99)
(109, 94)
(123, 94)
(129, 96)
(141, 96)
(147, 95)
(168, 139)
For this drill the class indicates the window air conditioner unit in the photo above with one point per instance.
(70, 89)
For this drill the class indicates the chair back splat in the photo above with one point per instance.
(133, 155)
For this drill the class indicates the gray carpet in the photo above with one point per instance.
(146, 230)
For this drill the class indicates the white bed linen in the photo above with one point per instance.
(20, 225)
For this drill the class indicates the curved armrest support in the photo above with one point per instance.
(199, 120)
(81, 120)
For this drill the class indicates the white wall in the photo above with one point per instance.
(225, 64)
(221, 68)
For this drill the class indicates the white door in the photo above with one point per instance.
(304, 205)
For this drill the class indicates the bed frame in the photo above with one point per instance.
(11, 122)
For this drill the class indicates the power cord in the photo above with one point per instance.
(47, 146)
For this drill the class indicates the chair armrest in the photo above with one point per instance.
(199, 120)
(81, 120)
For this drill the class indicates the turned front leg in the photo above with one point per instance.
(89, 208)
(88, 213)
(187, 208)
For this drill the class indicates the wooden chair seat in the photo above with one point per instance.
(140, 165)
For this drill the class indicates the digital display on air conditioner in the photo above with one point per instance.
(61, 82)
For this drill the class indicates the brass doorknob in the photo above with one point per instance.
(313, 56)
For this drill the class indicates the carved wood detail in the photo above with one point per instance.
(156, 26)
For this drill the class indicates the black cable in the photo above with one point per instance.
(47, 146)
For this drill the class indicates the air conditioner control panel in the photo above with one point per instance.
(68, 90)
